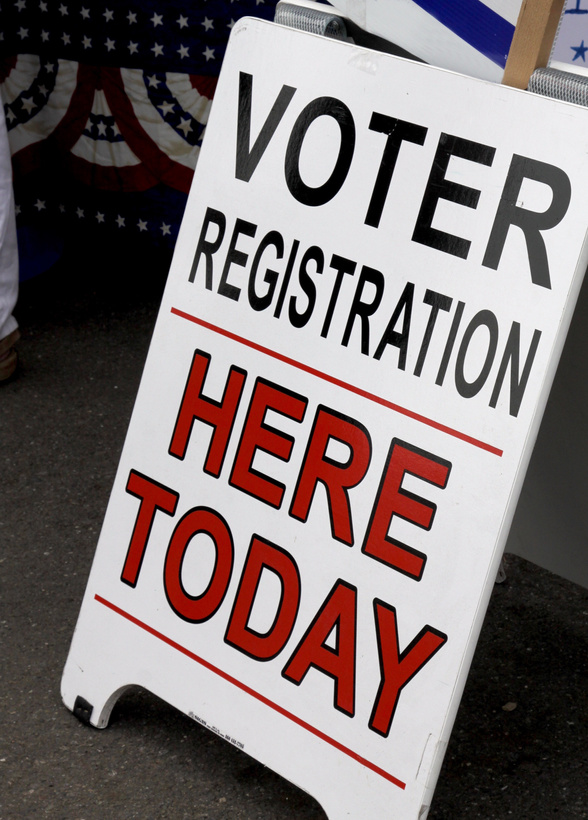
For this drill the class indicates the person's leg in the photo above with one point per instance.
(9, 333)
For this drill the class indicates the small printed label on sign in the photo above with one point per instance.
(214, 729)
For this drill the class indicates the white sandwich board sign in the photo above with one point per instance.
(371, 287)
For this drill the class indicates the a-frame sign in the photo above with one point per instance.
(371, 288)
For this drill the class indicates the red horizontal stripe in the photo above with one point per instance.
(350, 387)
(252, 692)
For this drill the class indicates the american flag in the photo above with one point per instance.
(106, 104)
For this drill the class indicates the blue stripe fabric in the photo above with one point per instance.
(474, 22)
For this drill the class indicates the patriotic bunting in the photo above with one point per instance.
(106, 105)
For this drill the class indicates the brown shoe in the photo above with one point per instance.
(8, 355)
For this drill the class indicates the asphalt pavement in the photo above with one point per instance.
(519, 748)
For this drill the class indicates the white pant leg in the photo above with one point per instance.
(8, 245)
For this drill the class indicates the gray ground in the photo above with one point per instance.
(86, 330)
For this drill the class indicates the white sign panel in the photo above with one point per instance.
(372, 283)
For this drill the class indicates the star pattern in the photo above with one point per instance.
(104, 28)
(185, 125)
(106, 218)
(189, 40)
(580, 52)
(103, 127)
